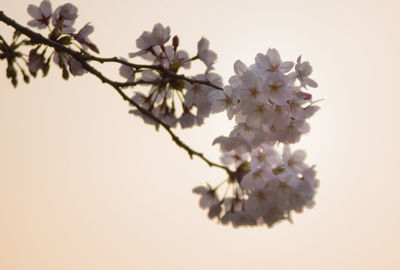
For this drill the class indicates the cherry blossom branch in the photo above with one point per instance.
(160, 68)
(269, 100)
(83, 58)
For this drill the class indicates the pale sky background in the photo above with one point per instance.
(85, 185)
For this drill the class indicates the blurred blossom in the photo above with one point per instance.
(41, 15)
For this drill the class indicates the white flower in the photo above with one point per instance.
(288, 133)
(215, 210)
(303, 70)
(82, 37)
(289, 180)
(150, 76)
(242, 218)
(265, 154)
(76, 67)
(169, 118)
(244, 131)
(64, 17)
(68, 11)
(142, 100)
(256, 114)
(260, 202)
(239, 67)
(41, 15)
(159, 36)
(36, 62)
(310, 111)
(251, 89)
(198, 94)
(276, 88)
(177, 59)
(234, 204)
(208, 196)
(309, 175)
(187, 120)
(232, 157)
(271, 62)
(256, 179)
(295, 160)
(127, 72)
(61, 59)
(205, 54)
(223, 100)
(273, 216)
(237, 144)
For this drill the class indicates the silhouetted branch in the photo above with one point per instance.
(83, 58)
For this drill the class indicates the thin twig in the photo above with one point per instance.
(83, 58)
(160, 68)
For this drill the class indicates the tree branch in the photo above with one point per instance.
(83, 58)
(160, 68)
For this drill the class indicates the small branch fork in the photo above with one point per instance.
(84, 57)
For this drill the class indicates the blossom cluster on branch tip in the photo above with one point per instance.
(265, 189)
(270, 105)
(173, 100)
(60, 24)
(268, 101)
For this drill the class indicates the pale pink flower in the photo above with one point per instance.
(127, 72)
(208, 196)
(223, 100)
(303, 71)
(187, 120)
(265, 154)
(69, 11)
(239, 67)
(76, 67)
(205, 54)
(256, 179)
(295, 160)
(257, 114)
(64, 17)
(36, 62)
(147, 40)
(231, 157)
(260, 202)
(276, 88)
(82, 38)
(271, 62)
(252, 88)
(237, 144)
(41, 15)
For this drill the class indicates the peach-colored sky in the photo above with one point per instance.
(85, 185)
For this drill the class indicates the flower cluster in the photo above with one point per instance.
(60, 24)
(263, 190)
(270, 105)
(266, 102)
(62, 31)
(11, 52)
(269, 102)
(166, 92)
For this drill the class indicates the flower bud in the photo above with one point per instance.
(175, 42)
(65, 73)
(65, 40)
(11, 72)
(26, 77)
